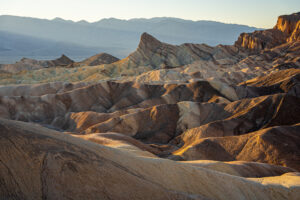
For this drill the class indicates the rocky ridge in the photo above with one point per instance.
(30, 64)
(286, 30)
(98, 59)
(27, 64)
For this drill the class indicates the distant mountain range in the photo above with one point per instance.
(47, 39)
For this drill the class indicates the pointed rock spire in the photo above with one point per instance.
(148, 42)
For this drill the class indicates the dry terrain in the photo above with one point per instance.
(168, 122)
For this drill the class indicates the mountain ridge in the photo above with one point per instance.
(121, 38)
(153, 19)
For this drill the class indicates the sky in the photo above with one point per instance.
(257, 13)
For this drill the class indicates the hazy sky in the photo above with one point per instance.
(259, 13)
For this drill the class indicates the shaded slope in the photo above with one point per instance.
(108, 173)
(282, 81)
(276, 145)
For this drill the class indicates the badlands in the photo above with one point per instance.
(167, 122)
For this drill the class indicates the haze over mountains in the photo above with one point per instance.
(48, 39)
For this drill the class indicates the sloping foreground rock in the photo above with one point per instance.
(283, 81)
(242, 168)
(248, 115)
(276, 145)
(37, 163)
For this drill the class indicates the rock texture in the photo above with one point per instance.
(286, 30)
(276, 145)
(161, 55)
(61, 164)
(288, 23)
(242, 168)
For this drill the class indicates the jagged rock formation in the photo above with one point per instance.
(110, 125)
(288, 23)
(160, 55)
(260, 40)
(286, 30)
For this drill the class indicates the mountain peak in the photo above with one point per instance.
(99, 59)
(63, 60)
(147, 41)
(58, 19)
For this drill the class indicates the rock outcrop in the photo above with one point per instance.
(286, 30)
(287, 23)
(276, 145)
(161, 55)
(260, 40)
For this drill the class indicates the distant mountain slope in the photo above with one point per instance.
(28, 64)
(31, 64)
(114, 36)
(178, 31)
(13, 47)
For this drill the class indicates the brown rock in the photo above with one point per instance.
(58, 166)
(99, 59)
(286, 30)
(276, 145)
